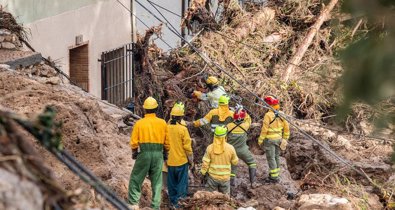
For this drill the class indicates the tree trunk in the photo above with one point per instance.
(297, 57)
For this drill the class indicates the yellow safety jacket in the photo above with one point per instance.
(273, 128)
(220, 116)
(218, 166)
(149, 129)
(242, 128)
(180, 145)
(213, 96)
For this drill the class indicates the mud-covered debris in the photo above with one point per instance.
(209, 200)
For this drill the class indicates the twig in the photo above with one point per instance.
(356, 28)
(9, 157)
(231, 62)
(204, 68)
(297, 57)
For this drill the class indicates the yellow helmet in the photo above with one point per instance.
(211, 80)
(223, 100)
(177, 111)
(180, 104)
(220, 131)
(150, 103)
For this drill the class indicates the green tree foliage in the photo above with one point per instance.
(369, 62)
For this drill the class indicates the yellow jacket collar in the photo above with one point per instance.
(219, 144)
(150, 115)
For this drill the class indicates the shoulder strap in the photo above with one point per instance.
(275, 117)
(237, 125)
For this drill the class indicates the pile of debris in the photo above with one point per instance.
(90, 127)
(253, 44)
(23, 170)
(10, 32)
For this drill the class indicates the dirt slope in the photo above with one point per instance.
(89, 133)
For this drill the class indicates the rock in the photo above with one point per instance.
(323, 202)
(17, 193)
(2, 38)
(53, 81)
(4, 66)
(374, 202)
(275, 37)
(4, 32)
(247, 208)
(278, 208)
(8, 45)
(251, 203)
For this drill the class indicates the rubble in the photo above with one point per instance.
(324, 202)
(94, 132)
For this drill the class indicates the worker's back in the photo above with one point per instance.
(220, 164)
(180, 144)
(149, 130)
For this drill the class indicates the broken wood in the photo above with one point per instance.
(297, 57)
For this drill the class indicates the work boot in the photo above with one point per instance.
(232, 181)
(252, 172)
(270, 180)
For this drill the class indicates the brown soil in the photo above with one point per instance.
(90, 134)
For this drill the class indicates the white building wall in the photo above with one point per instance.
(104, 25)
(173, 5)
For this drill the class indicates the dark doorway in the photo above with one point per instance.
(79, 66)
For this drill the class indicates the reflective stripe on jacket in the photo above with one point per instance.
(220, 116)
(149, 129)
(180, 145)
(218, 166)
(213, 96)
(274, 130)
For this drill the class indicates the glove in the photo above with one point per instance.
(165, 155)
(190, 161)
(135, 153)
(196, 94)
(283, 144)
(204, 179)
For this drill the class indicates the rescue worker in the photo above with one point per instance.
(237, 137)
(149, 145)
(217, 162)
(180, 157)
(164, 168)
(274, 136)
(213, 95)
(218, 116)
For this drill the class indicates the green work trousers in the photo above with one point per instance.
(220, 186)
(272, 150)
(239, 142)
(149, 161)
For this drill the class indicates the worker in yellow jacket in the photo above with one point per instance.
(237, 137)
(218, 116)
(181, 105)
(150, 146)
(274, 135)
(213, 95)
(180, 156)
(218, 161)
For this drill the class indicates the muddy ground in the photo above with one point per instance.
(94, 133)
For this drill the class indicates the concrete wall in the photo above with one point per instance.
(104, 25)
(31, 10)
